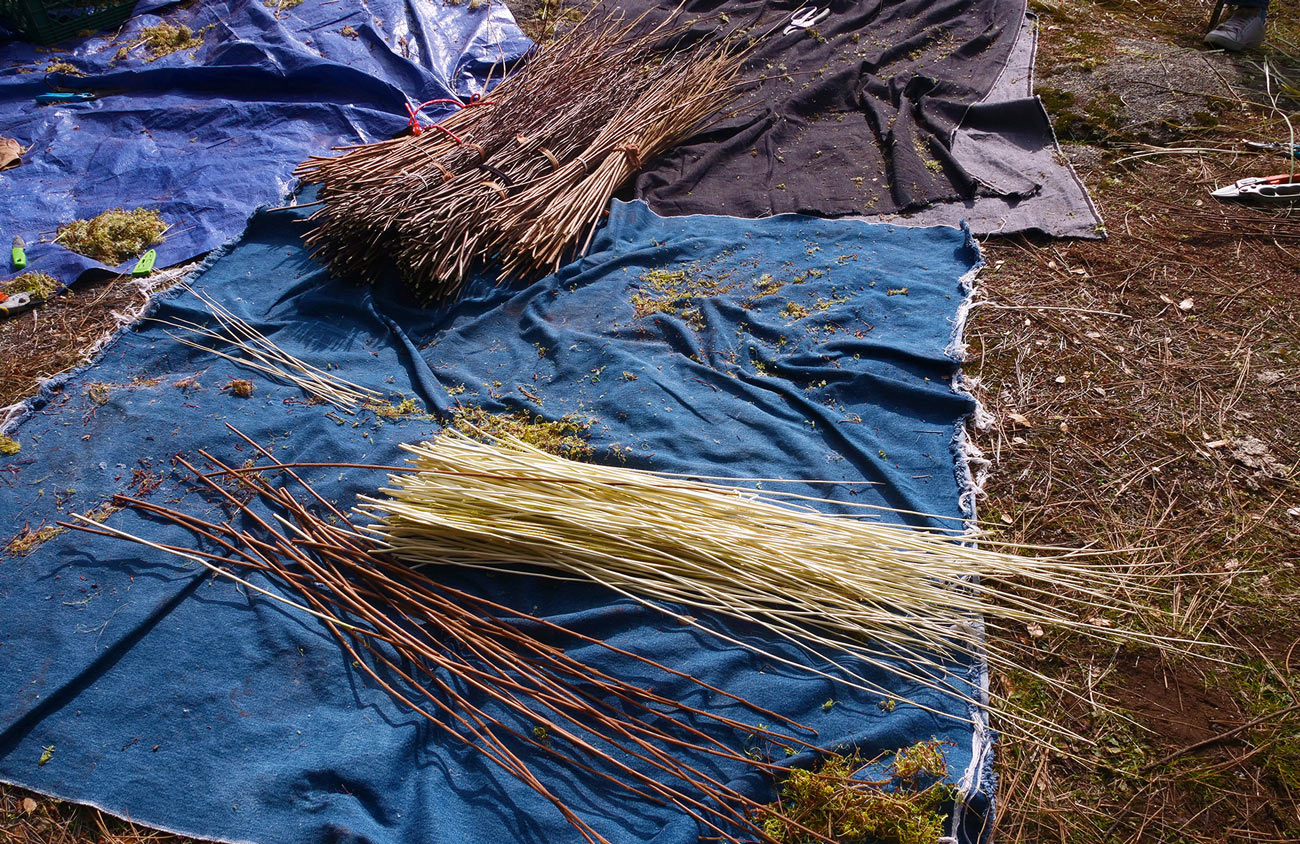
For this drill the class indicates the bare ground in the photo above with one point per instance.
(1152, 404)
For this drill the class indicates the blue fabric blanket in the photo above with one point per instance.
(785, 347)
(206, 135)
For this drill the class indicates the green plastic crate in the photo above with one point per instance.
(51, 21)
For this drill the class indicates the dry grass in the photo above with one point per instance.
(1153, 404)
(56, 336)
(27, 818)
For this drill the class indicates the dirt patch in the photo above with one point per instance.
(1144, 90)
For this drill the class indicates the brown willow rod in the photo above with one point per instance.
(337, 572)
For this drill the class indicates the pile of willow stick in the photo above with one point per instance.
(912, 603)
(491, 678)
(519, 179)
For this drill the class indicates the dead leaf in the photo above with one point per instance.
(1186, 305)
(11, 153)
(29, 805)
(1019, 419)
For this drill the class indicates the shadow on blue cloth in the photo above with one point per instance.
(814, 350)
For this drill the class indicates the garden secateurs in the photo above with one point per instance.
(16, 304)
(1281, 189)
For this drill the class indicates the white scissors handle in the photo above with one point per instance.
(805, 17)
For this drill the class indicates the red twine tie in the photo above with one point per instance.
(417, 129)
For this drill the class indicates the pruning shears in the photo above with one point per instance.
(63, 98)
(1292, 150)
(805, 17)
(145, 265)
(1262, 190)
(69, 97)
(15, 304)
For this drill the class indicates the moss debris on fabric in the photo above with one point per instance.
(564, 437)
(63, 67)
(281, 6)
(239, 387)
(677, 293)
(9, 445)
(113, 236)
(909, 807)
(29, 540)
(163, 39)
(40, 285)
(395, 410)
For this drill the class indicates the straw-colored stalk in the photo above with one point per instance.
(260, 354)
(903, 600)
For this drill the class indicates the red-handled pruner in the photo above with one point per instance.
(1262, 190)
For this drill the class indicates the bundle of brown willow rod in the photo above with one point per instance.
(489, 677)
(520, 178)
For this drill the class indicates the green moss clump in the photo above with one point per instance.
(388, 410)
(40, 285)
(853, 811)
(99, 392)
(565, 437)
(63, 67)
(113, 236)
(9, 445)
(921, 759)
(166, 38)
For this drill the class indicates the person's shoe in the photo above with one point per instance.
(1243, 31)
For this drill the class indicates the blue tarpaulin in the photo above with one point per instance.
(797, 348)
(207, 134)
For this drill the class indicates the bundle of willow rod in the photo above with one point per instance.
(519, 179)
(457, 658)
(903, 600)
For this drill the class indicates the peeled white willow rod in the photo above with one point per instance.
(265, 356)
(898, 599)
